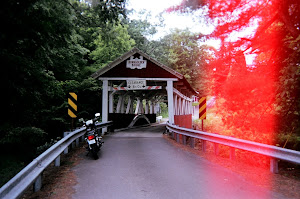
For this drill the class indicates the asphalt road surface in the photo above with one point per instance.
(140, 163)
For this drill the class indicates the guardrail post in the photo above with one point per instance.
(203, 145)
(77, 142)
(67, 148)
(184, 139)
(177, 137)
(192, 142)
(37, 185)
(216, 149)
(66, 151)
(57, 161)
(73, 145)
(232, 153)
(273, 165)
(111, 129)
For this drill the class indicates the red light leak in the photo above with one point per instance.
(244, 96)
(248, 98)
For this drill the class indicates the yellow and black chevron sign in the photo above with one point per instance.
(72, 109)
(202, 108)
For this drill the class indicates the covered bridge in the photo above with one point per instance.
(136, 79)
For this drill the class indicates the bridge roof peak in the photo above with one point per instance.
(137, 64)
(120, 65)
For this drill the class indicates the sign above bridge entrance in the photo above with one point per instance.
(136, 63)
(136, 84)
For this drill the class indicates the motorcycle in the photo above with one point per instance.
(92, 138)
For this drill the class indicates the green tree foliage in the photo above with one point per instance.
(185, 55)
(44, 51)
(37, 49)
(142, 32)
(110, 44)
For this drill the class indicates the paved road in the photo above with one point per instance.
(139, 164)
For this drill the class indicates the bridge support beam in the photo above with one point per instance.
(137, 106)
(129, 105)
(147, 107)
(118, 110)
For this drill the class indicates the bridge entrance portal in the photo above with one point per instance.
(133, 86)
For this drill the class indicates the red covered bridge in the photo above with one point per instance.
(136, 78)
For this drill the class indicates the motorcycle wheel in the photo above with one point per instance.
(95, 152)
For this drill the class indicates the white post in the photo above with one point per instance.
(137, 106)
(104, 103)
(184, 107)
(128, 105)
(179, 106)
(123, 104)
(141, 107)
(111, 103)
(151, 107)
(131, 107)
(170, 101)
(176, 105)
(155, 107)
(147, 107)
(119, 104)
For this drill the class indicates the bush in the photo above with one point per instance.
(23, 142)
(46, 146)
(289, 141)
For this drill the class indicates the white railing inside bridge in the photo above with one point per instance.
(275, 153)
(32, 173)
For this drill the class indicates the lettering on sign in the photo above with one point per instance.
(136, 84)
(136, 63)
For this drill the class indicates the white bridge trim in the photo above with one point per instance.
(135, 78)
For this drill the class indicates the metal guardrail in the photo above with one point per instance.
(32, 173)
(275, 153)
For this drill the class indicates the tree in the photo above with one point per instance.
(43, 51)
(186, 56)
(270, 86)
(43, 56)
(111, 44)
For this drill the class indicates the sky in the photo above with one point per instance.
(172, 20)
